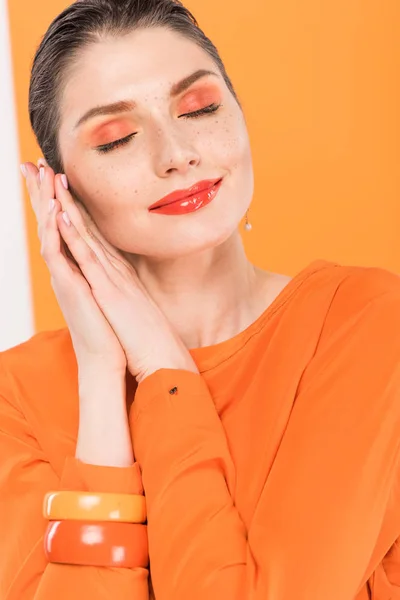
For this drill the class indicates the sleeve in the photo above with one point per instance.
(318, 518)
(25, 477)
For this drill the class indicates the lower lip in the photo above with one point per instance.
(191, 203)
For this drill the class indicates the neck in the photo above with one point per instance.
(208, 297)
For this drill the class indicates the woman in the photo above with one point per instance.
(258, 415)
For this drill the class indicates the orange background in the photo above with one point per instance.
(319, 82)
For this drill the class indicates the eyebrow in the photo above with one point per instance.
(128, 105)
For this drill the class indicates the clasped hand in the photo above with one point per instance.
(111, 318)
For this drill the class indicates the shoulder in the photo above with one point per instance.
(350, 285)
(327, 297)
(349, 321)
(355, 365)
(362, 293)
(44, 358)
(39, 379)
(367, 283)
(359, 333)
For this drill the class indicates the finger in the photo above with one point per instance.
(52, 250)
(87, 230)
(81, 218)
(38, 190)
(69, 205)
(41, 163)
(87, 258)
(46, 192)
(32, 184)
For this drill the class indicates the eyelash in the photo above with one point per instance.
(212, 108)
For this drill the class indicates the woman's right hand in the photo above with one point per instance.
(94, 341)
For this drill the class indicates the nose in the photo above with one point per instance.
(174, 152)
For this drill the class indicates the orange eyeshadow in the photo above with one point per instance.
(116, 129)
(200, 98)
(110, 132)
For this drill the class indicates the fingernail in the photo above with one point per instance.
(51, 205)
(64, 181)
(41, 171)
(66, 218)
(23, 170)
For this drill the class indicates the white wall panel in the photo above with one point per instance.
(16, 314)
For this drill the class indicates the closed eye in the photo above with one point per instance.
(108, 147)
(212, 108)
(202, 111)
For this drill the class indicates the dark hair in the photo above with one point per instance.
(86, 22)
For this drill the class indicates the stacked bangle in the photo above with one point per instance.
(109, 544)
(96, 529)
(86, 506)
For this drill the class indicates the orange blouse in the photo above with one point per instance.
(272, 475)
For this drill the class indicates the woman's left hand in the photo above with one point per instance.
(147, 337)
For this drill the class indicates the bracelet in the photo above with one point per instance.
(88, 506)
(97, 544)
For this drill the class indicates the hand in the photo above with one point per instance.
(93, 339)
(145, 334)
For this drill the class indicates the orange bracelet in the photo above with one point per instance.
(97, 544)
(88, 506)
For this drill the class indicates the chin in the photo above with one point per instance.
(189, 236)
(166, 237)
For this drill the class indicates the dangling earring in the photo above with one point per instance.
(247, 225)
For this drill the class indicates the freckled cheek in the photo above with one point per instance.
(106, 192)
(90, 185)
(226, 140)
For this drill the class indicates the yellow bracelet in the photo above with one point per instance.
(88, 506)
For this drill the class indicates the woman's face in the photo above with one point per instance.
(168, 150)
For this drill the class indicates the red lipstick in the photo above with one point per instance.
(185, 201)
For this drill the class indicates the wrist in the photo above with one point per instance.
(183, 365)
(101, 365)
(103, 435)
(97, 377)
